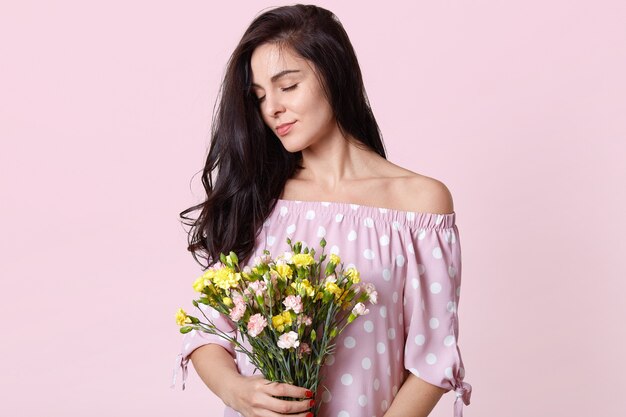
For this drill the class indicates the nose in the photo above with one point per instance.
(273, 105)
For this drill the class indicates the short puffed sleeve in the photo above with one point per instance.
(194, 339)
(431, 299)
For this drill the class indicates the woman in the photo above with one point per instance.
(299, 154)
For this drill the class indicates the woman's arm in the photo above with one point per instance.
(416, 398)
(249, 395)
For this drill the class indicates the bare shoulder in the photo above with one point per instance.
(420, 193)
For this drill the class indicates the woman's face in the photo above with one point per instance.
(291, 100)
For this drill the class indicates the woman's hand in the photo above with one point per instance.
(253, 396)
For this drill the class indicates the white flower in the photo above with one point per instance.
(288, 340)
(360, 310)
(331, 278)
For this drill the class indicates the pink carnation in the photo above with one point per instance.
(256, 324)
(293, 302)
(288, 340)
(256, 287)
(306, 320)
(237, 312)
(304, 349)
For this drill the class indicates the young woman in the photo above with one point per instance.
(299, 154)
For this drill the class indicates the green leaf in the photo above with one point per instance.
(186, 329)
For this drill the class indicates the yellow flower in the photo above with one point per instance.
(334, 259)
(226, 278)
(209, 274)
(284, 270)
(333, 288)
(354, 275)
(302, 259)
(200, 283)
(227, 301)
(181, 317)
(304, 288)
(280, 321)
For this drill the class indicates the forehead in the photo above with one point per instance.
(269, 59)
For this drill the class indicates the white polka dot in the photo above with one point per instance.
(335, 250)
(410, 216)
(422, 234)
(451, 307)
(410, 248)
(376, 384)
(321, 232)
(291, 228)
(420, 339)
(368, 254)
(368, 326)
(396, 225)
(352, 236)
(327, 396)
(383, 311)
(346, 379)
(400, 260)
(448, 372)
(391, 334)
(398, 355)
(383, 210)
(435, 288)
(362, 400)
(384, 240)
(215, 314)
(343, 413)
(384, 405)
(421, 269)
(394, 390)
(394, 296)
(339, 217)
(270, 240)
(354, 206)
(330, 359)
(326, 203)
(439, 219)
(389, 370)
(187, 345)
(310, 215)
(437, 253)
(415, 282)
(381, 348)
(368, 222)
(386, 274)
(448, 340)
(433, 323)
(366, 363)
(283, 211)
(431, 359)
(266, 223)
(414, 371)
(451, 271)
(349, 342)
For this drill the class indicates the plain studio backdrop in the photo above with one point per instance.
(517, 106)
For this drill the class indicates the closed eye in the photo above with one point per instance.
(292, 87)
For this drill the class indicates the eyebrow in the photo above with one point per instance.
(277, 76)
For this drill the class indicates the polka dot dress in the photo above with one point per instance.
(414, 260)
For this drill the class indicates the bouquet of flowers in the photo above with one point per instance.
(289, 309)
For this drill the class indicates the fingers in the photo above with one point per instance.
(278, 389)
(289, 407)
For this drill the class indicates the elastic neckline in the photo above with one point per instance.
(413, 219)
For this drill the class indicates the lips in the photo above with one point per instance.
(284, 128)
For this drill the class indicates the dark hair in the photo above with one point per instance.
(252, 164)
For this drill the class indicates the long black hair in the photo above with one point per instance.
(250, 164)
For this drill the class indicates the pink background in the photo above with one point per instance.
(518, 106)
